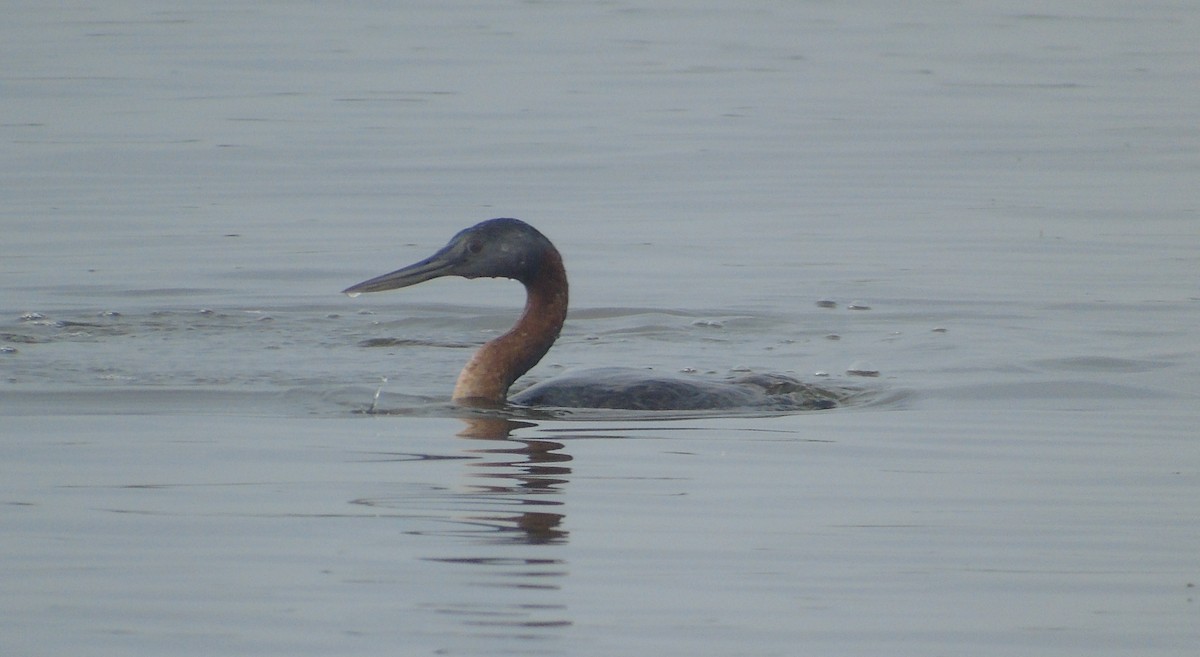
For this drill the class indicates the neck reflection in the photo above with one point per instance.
(518, 472)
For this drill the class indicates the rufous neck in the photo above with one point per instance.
(487, 376)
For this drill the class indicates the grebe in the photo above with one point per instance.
(510, 248)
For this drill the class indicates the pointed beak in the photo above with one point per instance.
(439, 264)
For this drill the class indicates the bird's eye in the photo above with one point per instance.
(474, 247)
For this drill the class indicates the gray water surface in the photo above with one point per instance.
(992, 207)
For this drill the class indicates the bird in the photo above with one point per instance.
(510, 248)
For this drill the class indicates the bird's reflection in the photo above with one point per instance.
(529, 472)
(501, 529)
(506, 472)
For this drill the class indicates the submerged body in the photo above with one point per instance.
(643, 390)
(509, 248)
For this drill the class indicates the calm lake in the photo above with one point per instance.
(206, 449)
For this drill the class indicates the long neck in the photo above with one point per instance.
(486, 378)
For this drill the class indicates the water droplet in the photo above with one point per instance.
(378, 392)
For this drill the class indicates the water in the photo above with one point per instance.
(998, 202)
